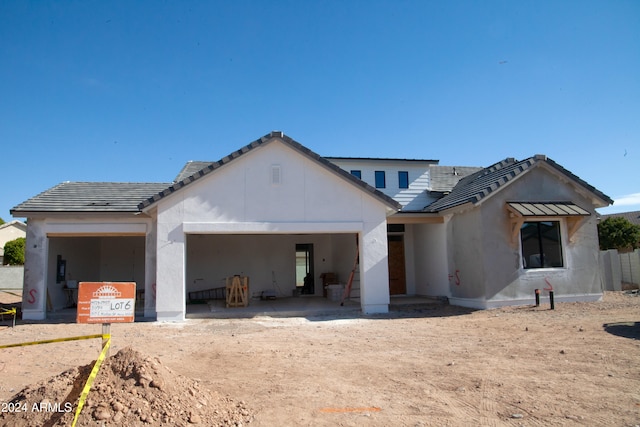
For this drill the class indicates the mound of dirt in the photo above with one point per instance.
(130, 389)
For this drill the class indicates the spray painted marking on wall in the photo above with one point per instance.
(457, 276)
(550, 288)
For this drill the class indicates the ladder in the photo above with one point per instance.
(347, 289)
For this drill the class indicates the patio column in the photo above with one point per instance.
(34, 294)
(170, 268)
(374, 269)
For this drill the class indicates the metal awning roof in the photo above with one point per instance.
(547, 209)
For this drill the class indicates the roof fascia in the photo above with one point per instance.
(75, 214)
(415, 218)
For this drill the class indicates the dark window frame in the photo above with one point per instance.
(403, 179)
(380, 179)
(357, 173)
(541, 245)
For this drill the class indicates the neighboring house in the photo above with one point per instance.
(632, 217)
(282, 215)
(10, 231)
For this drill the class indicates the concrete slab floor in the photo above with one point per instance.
(303, 306)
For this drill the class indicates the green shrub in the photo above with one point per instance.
(14, 251)
(618, 233)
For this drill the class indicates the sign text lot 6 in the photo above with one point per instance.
(106, 302)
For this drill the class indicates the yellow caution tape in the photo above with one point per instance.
(92, 377)
(84, 337)
(9, 311)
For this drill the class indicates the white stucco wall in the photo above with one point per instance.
(240, 198)
(431, 262)
(465, 252)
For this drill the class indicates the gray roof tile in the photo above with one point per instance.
(633, 216)
(191, 168)
(475, 187)
(90, 197)
(445, 178)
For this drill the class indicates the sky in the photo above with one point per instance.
(129, 91)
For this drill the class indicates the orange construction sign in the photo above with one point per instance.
(106, 302)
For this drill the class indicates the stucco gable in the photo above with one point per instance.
(196, 175)
(474, 188)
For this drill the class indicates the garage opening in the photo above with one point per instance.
(92, 259)
(278, 265)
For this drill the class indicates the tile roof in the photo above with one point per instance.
(477, 186)
(445, 178)
(206, 168)
(191, 168)
(633, 216)
(90, 197)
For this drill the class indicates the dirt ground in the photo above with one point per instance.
(423, 366)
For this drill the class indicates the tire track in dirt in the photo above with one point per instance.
(488, 407)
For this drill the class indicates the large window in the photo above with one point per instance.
(541, 244)
(380, 179)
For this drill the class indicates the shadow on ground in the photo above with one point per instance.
(624, 329)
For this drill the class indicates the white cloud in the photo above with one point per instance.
(626, 203)
(629, 199)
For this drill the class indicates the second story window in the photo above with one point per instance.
(357, 174)
(403, 179)
(380, 180)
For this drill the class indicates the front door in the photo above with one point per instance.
(397, 281)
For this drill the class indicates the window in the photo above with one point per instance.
(541, 244)
(357, 174)
(380, 180)
(403, 179)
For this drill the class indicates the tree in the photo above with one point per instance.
(1, 221)
(14, 251)
(618, 233)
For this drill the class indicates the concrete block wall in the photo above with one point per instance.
(630, 266)
(11, 277)
(610, 270)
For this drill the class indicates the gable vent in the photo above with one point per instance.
(276, 174)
